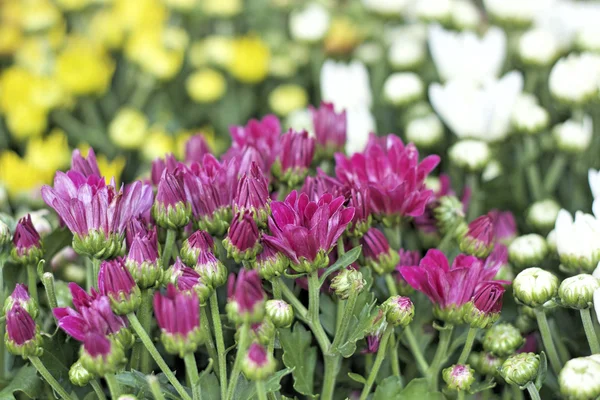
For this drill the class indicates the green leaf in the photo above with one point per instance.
(136, 380)
(348, 258)
(301, 356)
(481, 386)
(419, 389)
(389, 388)
(246, 390)
(359, 326)
(56, 241)
(26, 381)
(542, 370)
(357, 377)
(328, 314)
(209, 385)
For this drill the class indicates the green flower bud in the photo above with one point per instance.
(172, 216)
(533, 287)
(30, 348)
(102, 364)
(292, 177)
(449, 214)
(459, 377)
(258, 364)
(347, 281)
(578, 379)
(578, 291)
(264, 332)
(280, 313)
(399, 311)
(542, 215)
(213, 274)
(451, 314)
(124, 338)
(525, 323)
(147, 274)
(5, 235)
(320, 261)
(97, 245)
(270, 263)
(527, 251)
(502, 340)
(486, 363)
(477, 318)
(31, 256)
(520, 369)
(78, 375)
(179, 344)
(217, 223)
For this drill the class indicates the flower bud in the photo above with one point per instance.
(188, 279)
(502, 340)
(534, 286)
(538, 48)
(401, 89)
(258, 364)
(22, 334)
(116, 283)
(470, 155)
(449, 214)
(459, 377)
(425, 132)
(211, 269)
(197, 243)
(246, 298)
(542, 215)
(5, 235)
(578, 291)
(242, 242)
(252, 194)
(486, 363)
(78, 375)
(479, 238)
(270, 262)
(264, 332)
(98, 245)
(170, 208)
(21, 297)
(578, 379)
(27, 243)
(520, 369)
(527, 251)
(280, 312)
(347, 281)
(573, 137)
(528, 117)
(484, 309)
(143, 262)
(399, 311)
(296, 155)
(377, 252)
(330, 130)
(100, 355)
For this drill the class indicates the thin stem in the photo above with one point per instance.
(39, 365)
(237, 364)
(140, 358)
(216, 317)
(533, 172)
(474, 207)
(113, 386)
(555, 172)
(533, 392)
(377, 364)
(547, 339)
(260, 390)
(98, 389)
(205, 326)
(191, 368)
(332, 366)
(314, 292)
(32, 281)
(348, 312)
(460, 395)
(391, 284)
(155, 387)
(137, 327)
(422, 365)
(168, 248)
(276, 288)
(590, 333)
(393, 354)
(468, 345)
(440, 355)
(95, 271)
(301, 311)
(48, 281)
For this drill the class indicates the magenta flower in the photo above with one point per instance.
(252, 194)
(135, 227)
(246, 298)
(270, 262)
(195, 148)
(488, 297)
(143, 261)
(330, 129)
(377, 252)
(306, 231)
(171, 209)
(295, 156)
(159, 165)
(505, 226)
(100, 355)
(360, 200)
(85, 166)
(317, 186)
(22, 337)
(258, 364)
(393, 174)
(262, 135)
(116, 283)
(27, 242)
(479, 238)
(187, 279)
(197, 243)
(20, 296)
(242, 238)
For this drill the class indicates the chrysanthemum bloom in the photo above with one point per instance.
(246, 298)
(258, 363)
(377, 252)
(393, 174)
(242, 241)
(186, 279)
(317, 186)
(22, 335)
(578, 241)
(253, 194)
(178, 316)
(195, 148)
(295, 156)
(330, 130)
(270, 262)
(479, 238)
(359, 199)
(116, 283)
(170, 209)
(100, 355)
(96, 213)
(261, 135)
(450, 287)
(135, 227)
(485, 306)
(86, 166)
(21, 297)
(306, 231)
(27, 243)
(143, 261)
(408, 258)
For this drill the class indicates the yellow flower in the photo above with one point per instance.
(26, 121)
(251, 56)
(287, 98)
(49, 153)
(343, 36)
(214, 50)
(20, 178)
(15, 88)
(35, 55)
(47, 93)
(160, 52)
(10, 38)
(222, 8)
(137, 14)
(109, 169)
(282, 66)
(105, 29)
(128, 129)
(72, 5)
(39, 15)
(84, 68)
(157, 144)
(206, 85)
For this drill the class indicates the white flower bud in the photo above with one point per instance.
(309, 24)
(528, 116)
(572, 136)
(369, 53)
(533, 287)
(5, 235)
(574, 79)
(578, 241)
(403, 88)
(405, 54)
(386, 7)
(433, 10)
(425, 132)
(527, 251)
(578, 291)
(542, 214)
(538, 48)
(580, 379)
(492, 170)
(471, 155)
(588, 38)
(464, 15)
(551, 241)
(512, 13)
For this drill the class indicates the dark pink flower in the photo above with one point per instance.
(317, 186)
(242, 237)
(196, 244)
(160, 165)
(330, 128)
(170, 190)
(117, 283)
(20, 326)
(187, 279)
(257, 354)
(252, 194)
(262, 135)
(295, 156)
(246, 291)
(195, 148)
(26, 237)
(85, 166)
(177, 313)
(20, 296)
(479, 239)
(97, 345)
(505, 226)
(360, 200)
(135, 227)
(488, 297)
(144, 248)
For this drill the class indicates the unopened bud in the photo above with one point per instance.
(264, 332)
(542, 215)
(527, 251)
(502, 340)
(470, 155)
(520, 369)
(485, 363)
(258, 364)
(78, 375)
(459, 377)
(347, 281)
(399, 311)
(449, 214)
(478, 240)
(578, 291)
(5, 236)
(280, 313)
(578, 379)
(533, 287)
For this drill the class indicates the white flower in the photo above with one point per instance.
(594, 181)
(464, 55)
(474, 111)
(542, 214)
(471, 155)
(386, 7)
(514, 12)
(300, 120)
(360, 124)
(465, 14)
(528, 116)
(588, 38)
(347, 86)
(402, 88)
(425, 131)
(309, 24)
(575, 78)
(572, 136)
(538, 47)
(580, 378)
(578, 240)
(433, 10)
(406, 54)
(369, 52)
(568, 20)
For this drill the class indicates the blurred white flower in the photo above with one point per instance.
(465, 15)
(477, 111)
(528, 116)
(578, 240)
(402, 88)
(300, 120)
(574, 79)
(573, 136)
(360, 124)
(406, 54)
(369, 52)
(567, 19)
(597, 302)
(515, 12)
(492, 170)
(464, 55)
(433, 10)
(386, 7)
(538, 47)
(426, 131)
(471, 155)
(594, 180)
(309, 24)
(40, 223)
(588, 38)
(347, 86)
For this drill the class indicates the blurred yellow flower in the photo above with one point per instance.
(128, 129)
(49, 153)
(206, 85)
(72, 5)
(157, 144)
(39, 15)
(251, 57)
(109, 169)
(35, 55)
(282, 66)
(15, 88)
(135, 15)
(160, 52)
(222, 8)
(84, 68)
(20, 178)
(56, 35)
(105, 29)
(287, 98)
(26, 121)
(10, 38)
(47, 93)
(214, 50)
(343, 36)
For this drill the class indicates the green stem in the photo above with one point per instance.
(191, 369)
(474, 206)
(547, 340)
(422, 365)
(39, 365)
(216, 317)
(377, 364)
(332, 366)
(48, 281)
(137, 327)
(468, 345)
(276, 289)
(155, 387)
(391, 284)
(555, 172)
(533, 172)
(95, 271)
(237, 364)
(113, 386)
(301, 311)
(533, 392)
(90, 113)
(314, 292)
(460, 395)
(590, 333)
(210, 344)
(260, 390)
(98, 389)
(168, 248)
(140, 358)
(393, 354)
(517, 393)
(348, 312)
(32, 281)
(440, 356)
